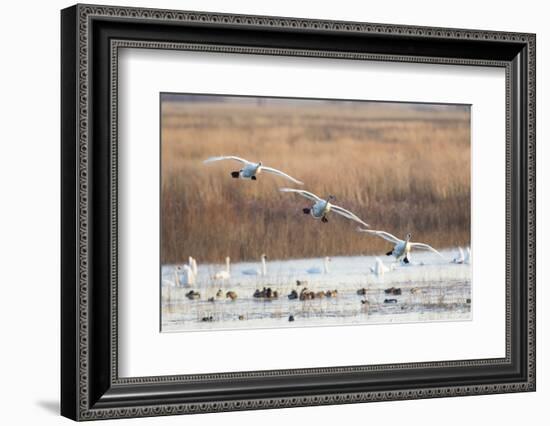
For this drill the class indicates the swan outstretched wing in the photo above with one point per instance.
(278, 172)
(423, 246)
(382, 234)
(226, 157)
(303, 193)
(346, 213)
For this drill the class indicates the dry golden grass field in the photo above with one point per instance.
(400, 167)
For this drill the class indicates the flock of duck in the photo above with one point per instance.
(187, 274)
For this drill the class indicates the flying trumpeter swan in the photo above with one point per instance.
(321, 208)
(402, 248)
(462, 258)
(224, 274)
(379, 269)
(317, 270)
(262, 272)
(250, 170)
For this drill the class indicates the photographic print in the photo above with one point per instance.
(288, 212)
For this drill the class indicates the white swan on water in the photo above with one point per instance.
(250, 169)
(184, 275)
(192, 263)
(262, 272)
(402, 248)
(462, 258)
(321, 208)
(224, 274)
(318, 270)
(379, 269)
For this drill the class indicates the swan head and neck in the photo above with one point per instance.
(408, 237)
(325, 264)
(264, 267)
(327, 203)
(193, 265)
(227, 263)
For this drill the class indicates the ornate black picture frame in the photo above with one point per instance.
(91, 387)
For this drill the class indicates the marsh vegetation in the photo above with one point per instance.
(400, 167)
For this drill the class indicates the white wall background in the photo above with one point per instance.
(29, 225)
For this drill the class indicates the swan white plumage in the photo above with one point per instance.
(250, 169)
(224, 274)
(379, 269)
(193, 266)
(318, 270)
(321, 208)
(184, 275)
(402, 248)
(262, 272)
(462, 258)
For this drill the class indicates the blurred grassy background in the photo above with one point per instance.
(400, 167)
